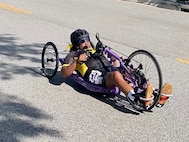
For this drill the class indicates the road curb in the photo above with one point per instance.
(179, 5)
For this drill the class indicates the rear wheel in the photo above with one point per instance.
(49, 60)
(150, 68)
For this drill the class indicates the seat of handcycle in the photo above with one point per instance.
(94, 87)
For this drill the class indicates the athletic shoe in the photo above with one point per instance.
(141, 103)
(165, 94)
(148, 95)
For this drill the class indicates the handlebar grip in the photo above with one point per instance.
(99, 47)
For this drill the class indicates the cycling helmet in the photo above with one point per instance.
(79, 36)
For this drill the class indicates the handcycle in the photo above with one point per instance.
(139, 69)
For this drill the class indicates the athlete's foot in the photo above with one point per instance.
(148, 95)
(166, 93)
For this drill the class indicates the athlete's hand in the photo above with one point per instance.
(83, 57)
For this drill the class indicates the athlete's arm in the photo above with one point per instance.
(68, 69)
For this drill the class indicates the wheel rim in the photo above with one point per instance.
(49, 60)
(151, 70)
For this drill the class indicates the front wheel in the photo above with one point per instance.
(151, 70)
(49, 60)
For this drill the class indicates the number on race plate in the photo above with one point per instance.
(95, 77)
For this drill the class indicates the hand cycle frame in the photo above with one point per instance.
(135, 70)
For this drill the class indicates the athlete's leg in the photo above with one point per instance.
(115, 78)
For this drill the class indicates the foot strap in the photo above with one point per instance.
(167, 95)
(147, 99)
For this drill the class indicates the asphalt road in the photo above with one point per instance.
(34, 109)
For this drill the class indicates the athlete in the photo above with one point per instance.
(95, 68)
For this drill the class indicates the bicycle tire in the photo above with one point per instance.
(150, 69)
(50, 60)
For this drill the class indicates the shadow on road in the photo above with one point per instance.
(118, 103)
(20, 119)
(11, 52)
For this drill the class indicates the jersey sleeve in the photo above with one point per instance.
(69, 58)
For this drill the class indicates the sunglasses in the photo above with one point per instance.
(83, 40)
